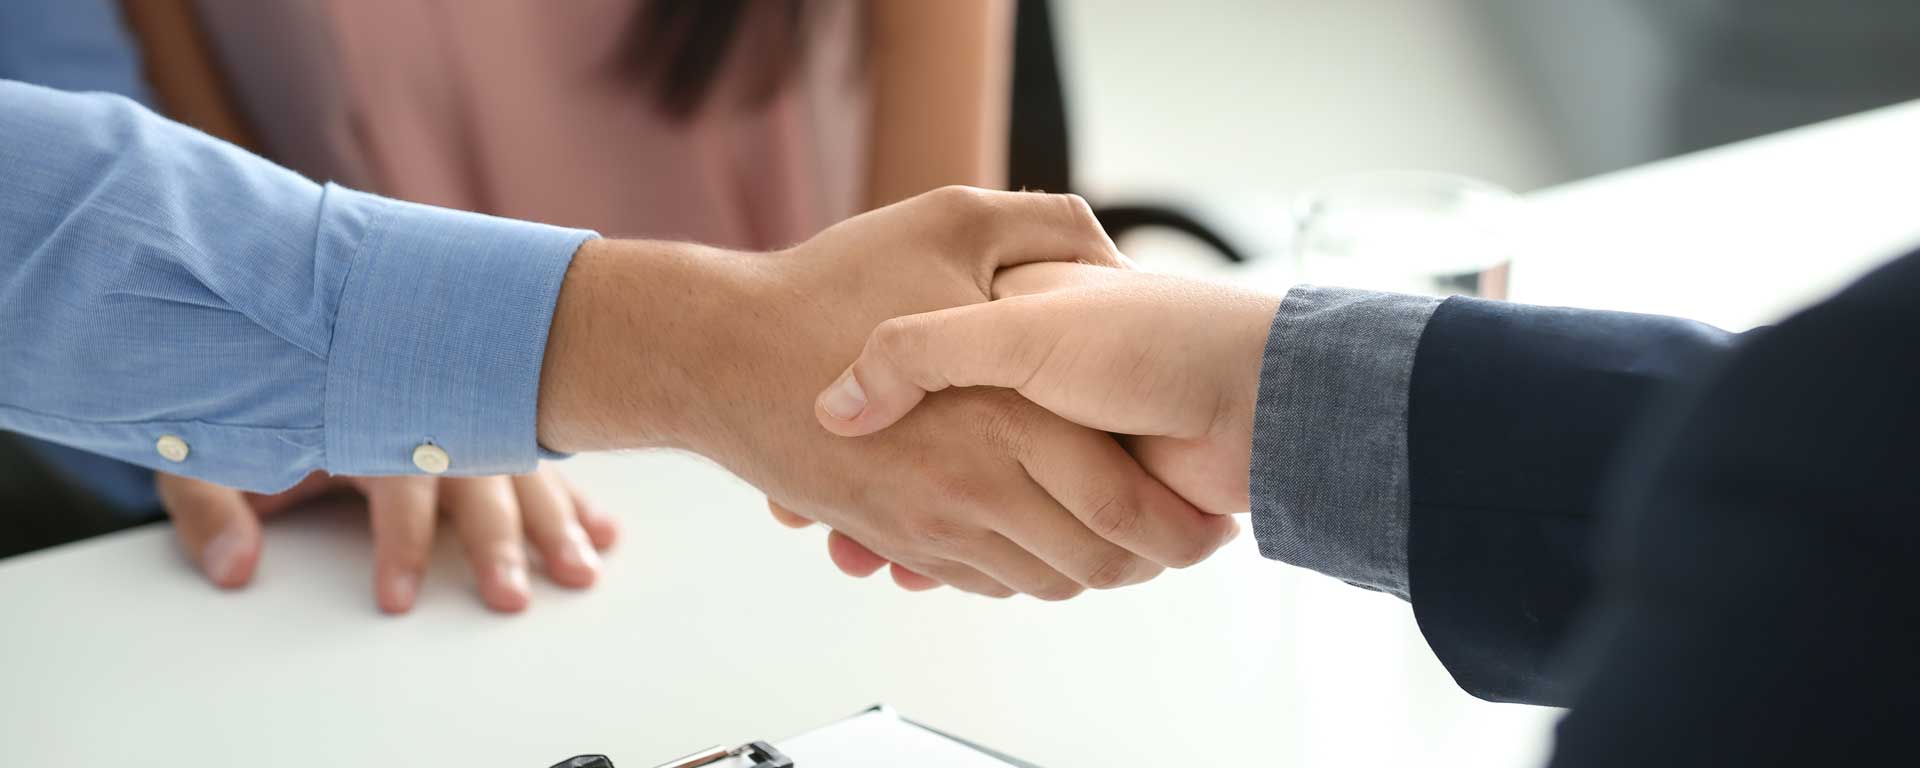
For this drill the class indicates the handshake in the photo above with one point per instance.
(972, 441)
(1023, 413)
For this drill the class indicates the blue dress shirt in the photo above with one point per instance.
(78, 45)
(158, 283)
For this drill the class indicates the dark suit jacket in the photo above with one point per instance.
(1707, 545)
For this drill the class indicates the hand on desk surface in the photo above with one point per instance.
(497, 518)
(721, 353)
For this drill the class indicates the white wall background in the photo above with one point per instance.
(1270, 95)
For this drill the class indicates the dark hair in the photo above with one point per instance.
(680, 46)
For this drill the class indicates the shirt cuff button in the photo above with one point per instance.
(431, 459)
(172, 448)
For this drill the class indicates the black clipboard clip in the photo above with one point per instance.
(761, 753)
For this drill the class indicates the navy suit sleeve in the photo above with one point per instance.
(1515, 412)
(1756, 597)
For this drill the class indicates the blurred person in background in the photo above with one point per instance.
(748, 124)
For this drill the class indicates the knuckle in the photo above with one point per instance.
(929, 567)
(1057, 591)
(965, 493)
(961, 203)
(1117, 569)
(401, 546)
(412, 491)
(895, 339)
(950, 193)
(940, 534)
(1001, 422)
(403, 559)
(1079, 209)
(958, 195)
(1116, 517)
(1192, 552)
(1080, 212)
(1098, 246)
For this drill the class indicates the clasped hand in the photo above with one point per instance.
(1170, 366)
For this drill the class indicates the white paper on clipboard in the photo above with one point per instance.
(881, 738)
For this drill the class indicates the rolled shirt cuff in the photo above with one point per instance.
(1329, 468)
(440, 337)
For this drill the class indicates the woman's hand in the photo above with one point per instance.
(498, 518)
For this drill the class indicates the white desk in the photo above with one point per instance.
(713, 625)
(1735, 236)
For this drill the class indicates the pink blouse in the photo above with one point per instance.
(521, 108)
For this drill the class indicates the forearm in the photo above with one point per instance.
(673, 345)
(941, 88)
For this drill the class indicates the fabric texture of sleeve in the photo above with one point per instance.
(1329, 469)
(78, 45)
(1515, 418)
(1759, 551)
(173, 301)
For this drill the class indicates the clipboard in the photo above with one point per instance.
(876, 737)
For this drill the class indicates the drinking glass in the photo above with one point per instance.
(1408, 231)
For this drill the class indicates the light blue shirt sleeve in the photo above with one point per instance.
(78, 45)
(157, 283)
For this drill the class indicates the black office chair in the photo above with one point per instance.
(1039, 150)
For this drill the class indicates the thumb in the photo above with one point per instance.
(215, 525)
(998, 343)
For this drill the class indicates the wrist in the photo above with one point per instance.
(1211, 471)
(641, 335)
(1249, 320)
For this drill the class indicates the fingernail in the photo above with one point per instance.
(582, 553)
(401, 589)
(515, 577)
(222, 556)
(845, 399)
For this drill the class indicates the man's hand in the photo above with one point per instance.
(721, 353)
(497, 517)
(1173, 363)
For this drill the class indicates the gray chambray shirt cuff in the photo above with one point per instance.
(1329, 471)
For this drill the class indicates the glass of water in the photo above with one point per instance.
(1408, 231)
